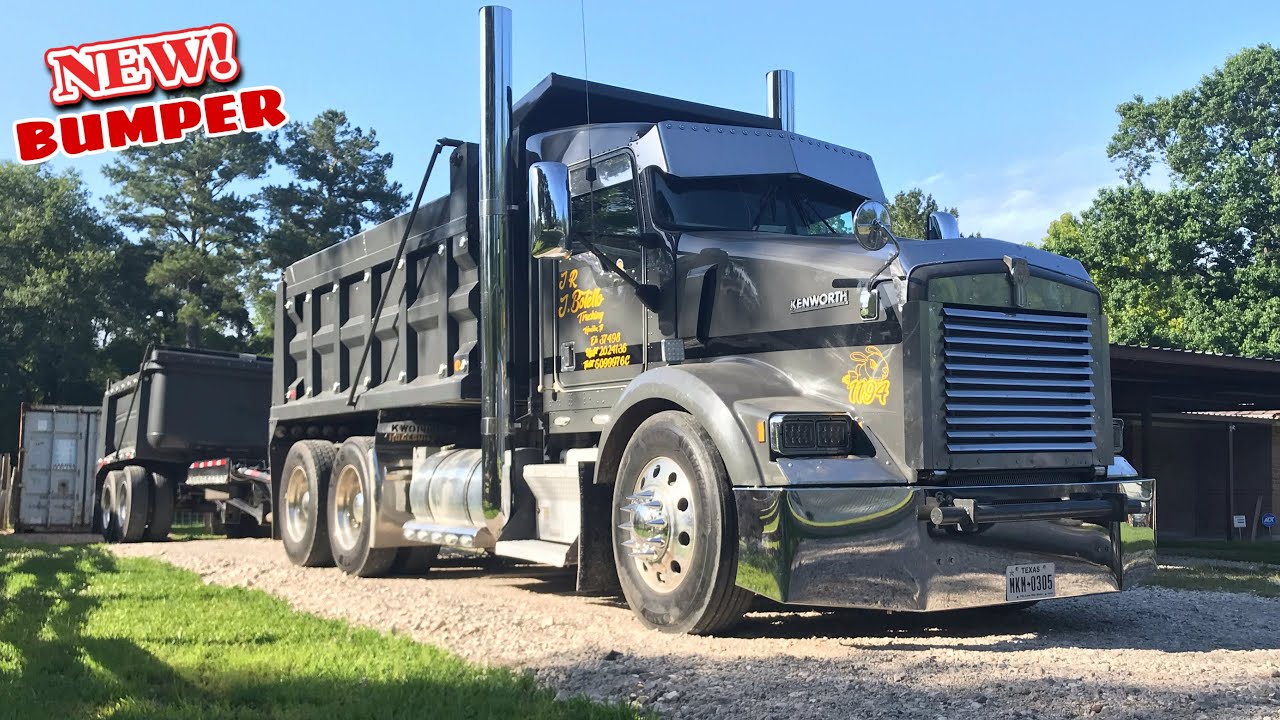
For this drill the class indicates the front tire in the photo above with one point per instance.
(350, 513)
(303, 486)
(133, 502)
(675, 529)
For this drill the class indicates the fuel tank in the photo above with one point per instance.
(446, 488)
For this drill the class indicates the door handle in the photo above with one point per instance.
(568, 359)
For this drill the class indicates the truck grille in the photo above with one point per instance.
(1017, 381)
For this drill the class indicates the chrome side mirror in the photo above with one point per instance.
(871, 225)
(549, 210)
(942, 226)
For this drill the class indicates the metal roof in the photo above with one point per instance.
(1172, 380)
(1269, 415)
(560, 101)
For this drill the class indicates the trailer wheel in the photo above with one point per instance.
(133, 502)
(163, 496)
(416, 560)
(107, 506)
(350, 513)
(675, 537)
(304, 484)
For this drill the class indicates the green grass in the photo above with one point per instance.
(192, 531)
(86, 635)
(1265, 583)
(1262, 551)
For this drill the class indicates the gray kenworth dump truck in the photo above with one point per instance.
(185, 432)
(678, 347)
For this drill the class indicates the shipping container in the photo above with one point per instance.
(56, 462)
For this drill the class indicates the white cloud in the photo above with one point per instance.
(1022, 215)
(931, 181)
(1018, 202)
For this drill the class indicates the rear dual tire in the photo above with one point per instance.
(304, 526)
(108, 508)
(163, 499)
(136, 505)
(350, 513)
(326, 513)
(133, 502)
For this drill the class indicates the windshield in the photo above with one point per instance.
(787, 204)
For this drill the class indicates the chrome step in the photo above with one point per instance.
(538, 551)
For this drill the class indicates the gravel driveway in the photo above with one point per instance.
(1149, 653)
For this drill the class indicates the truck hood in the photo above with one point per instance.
(767, 283)
(843, 257)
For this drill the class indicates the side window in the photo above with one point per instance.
(609, 205)
(839, 224)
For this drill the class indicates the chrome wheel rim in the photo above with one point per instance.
(348, 499)
(297, 505)
(107, 498)
(660, 525)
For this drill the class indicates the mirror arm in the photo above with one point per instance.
(897, 250)
(649, 295)
(840, 283)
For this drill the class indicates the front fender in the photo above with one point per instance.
(727, 397)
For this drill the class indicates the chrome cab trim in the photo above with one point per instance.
(875, 547)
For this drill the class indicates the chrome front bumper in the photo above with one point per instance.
(877, 547)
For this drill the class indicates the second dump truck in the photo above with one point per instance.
(185, 432)
(678, 348)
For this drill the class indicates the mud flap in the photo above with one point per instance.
(595, 540)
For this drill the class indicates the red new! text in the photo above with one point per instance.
(137, 65)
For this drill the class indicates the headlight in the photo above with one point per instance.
(803, 434)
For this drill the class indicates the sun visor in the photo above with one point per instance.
(699, 150)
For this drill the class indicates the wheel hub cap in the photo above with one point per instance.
(349, 507)
(659, 532)
(297, 504)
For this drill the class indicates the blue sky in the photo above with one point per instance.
(1002, 109)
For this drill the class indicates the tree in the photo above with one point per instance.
(59, 269)
(340, 187)
(190, 200)
(1198, 265)
(909, 212)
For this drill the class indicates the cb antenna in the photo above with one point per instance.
(586, 95)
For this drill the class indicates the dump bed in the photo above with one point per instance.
(186, 404)
(425, 348)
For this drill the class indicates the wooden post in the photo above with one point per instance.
(1144, 459)
(4, 492)
(1231, 480)
(1257, 517)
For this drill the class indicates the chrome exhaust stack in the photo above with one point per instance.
(782, 97)
(495, 238)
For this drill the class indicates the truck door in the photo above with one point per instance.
(600, 324)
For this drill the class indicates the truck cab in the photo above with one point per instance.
(680, 348)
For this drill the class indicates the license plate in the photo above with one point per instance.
(1030, 582)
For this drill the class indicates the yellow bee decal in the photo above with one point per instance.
(868, 381)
